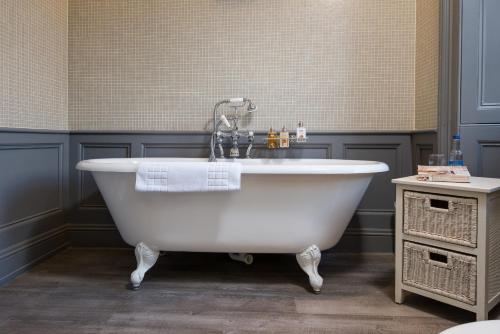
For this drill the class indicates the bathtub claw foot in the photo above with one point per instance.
(146, 258)
(308, 260)
(242, 257)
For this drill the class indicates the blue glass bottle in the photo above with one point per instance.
(456, 157)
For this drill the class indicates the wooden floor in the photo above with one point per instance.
(83, 291)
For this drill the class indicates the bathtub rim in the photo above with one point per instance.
(249, 166)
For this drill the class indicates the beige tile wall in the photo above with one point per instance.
(426, 64)
(33, 64)
(161, 65)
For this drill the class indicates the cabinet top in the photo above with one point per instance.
(477, 184)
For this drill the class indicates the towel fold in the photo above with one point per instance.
(188, 176)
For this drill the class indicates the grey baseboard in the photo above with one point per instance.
(21, 257)
(367, 232)
(95, 235)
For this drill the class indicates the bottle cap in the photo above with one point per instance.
(456, 136)
(301, 124)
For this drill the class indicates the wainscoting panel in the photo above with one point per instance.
(46, 203)
(174, 150)
(371, 228)
(89, 194)
(32, 198)
(297, 151)
(33, 186)
(391, 154)
(423, 145)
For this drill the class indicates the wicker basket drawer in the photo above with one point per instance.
(439, 271)
(446, 218)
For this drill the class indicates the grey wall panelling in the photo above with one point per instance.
(370, 230)
(33, 199)
(46, 204)
(423, 145)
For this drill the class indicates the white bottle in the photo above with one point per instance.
(301, 133)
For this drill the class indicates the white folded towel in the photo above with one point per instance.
(188, 176)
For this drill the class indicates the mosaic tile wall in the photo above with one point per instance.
(33, 64)
(426, 64)
(161, 65)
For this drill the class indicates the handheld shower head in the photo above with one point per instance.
(224, 120)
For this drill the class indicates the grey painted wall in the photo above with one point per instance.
(371, 229)
(46, 204)
(423, 144)
(33, 198)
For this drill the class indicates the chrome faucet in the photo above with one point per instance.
(232, 131)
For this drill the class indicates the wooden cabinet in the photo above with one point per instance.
(448, 242)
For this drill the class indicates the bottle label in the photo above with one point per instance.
(455, 163)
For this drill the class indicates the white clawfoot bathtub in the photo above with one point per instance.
(284, 206)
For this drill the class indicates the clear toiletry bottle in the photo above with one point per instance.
(456, 157)
(284, 138)
(272, 140)
(301, 133)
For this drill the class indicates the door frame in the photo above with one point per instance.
(449, 73)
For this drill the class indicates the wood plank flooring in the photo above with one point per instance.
(83, 291)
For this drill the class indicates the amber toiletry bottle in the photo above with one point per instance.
(272, 139)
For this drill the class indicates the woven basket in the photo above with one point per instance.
(446, 218)
(442, 272)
